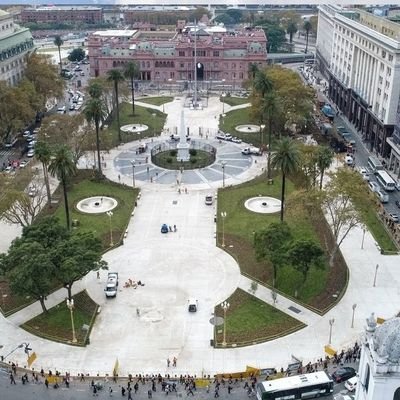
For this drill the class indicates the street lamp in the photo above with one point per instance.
(133, 173)
(223, 163)
(225, 306)
(331, 322)
(70, 305)
(354, 306)
(223, 103)
(362, 242)
(223, 85)
(223, 216)
(262, 126)
(110, 214)
(376, 272)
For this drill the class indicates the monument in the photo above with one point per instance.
(183, 146)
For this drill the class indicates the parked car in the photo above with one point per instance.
(32, 191)
(374, 186)
(342, 374)
(236, 140)
(394, 217)
(30, 153)
(23, 163)
(351, 384)
(111, 288)
(164, 228)
(397, 202)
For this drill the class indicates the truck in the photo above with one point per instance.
(255, 151)
(111, 288)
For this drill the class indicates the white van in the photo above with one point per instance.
(383, 197)
(209, 200)
(374, 186)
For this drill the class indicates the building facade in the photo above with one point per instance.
(15, 44)
(379, 369)
(364, 72)
(165, 56)
(63, 15)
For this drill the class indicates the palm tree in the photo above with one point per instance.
(253, 69)
(262, 83)
(324, 161)
(95, 111)
(59, 42)
(95, 89)
(131, 72)
(287, 160)
(307, 27)
(116, 76)
(269, 108)
(62, 166)
(291, 30)
(43, 154)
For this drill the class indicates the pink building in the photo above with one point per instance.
(166, 56)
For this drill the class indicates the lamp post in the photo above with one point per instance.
(133, 173)
(223, 163)
(110, 214)
(362, 242)
(70, 305)
(223, 103)
(225, 306)
(223, 85)
(376, 272)
(331, 322)
(354, 306)
(223, 216)
(262, 127)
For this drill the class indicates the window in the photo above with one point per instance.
(215, 53)
(383, 54)
(390, 57)
(181, 53)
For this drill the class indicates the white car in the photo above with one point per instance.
(349, 160)
(364, 173)
(23, 163)
(32, 191)
(31, 153)
(351, 384)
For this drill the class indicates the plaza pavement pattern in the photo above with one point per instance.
(185, 264)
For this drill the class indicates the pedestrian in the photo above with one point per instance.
(82, 377)
(12, 379)
(174, 359)
(130, 394)
(175, 231)
(149, 394)
(136, 387)
(46, 382)
(186, 191)
(110, 391)
(119, 178)
(98, 274)
(123, 390)
(137, 312)
(168, 362)
(229, 389)
(190, 391)
(95, 390)
(216, 394)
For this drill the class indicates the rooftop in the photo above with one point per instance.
(64, 8)
(115, 33)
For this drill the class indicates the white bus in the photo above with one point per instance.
(374, 164)
(307, 386)
(385, 180)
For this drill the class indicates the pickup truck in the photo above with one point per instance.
(112, 284)
(252, 151)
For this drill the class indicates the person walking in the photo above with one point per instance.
(168, 362)
(110, 391)
(46, 383)
(174, 359)
(123, 390)
(95, 390)
(130, 394)
(216, 393)
(12, 379)
(136, 387)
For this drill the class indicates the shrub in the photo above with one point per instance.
(169, 160)
(193, 152)
(193, 160)
(173, 153)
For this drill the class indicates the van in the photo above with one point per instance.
(374, 186)
(209, 200)
(383, 197)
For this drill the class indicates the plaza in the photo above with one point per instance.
(143, 327)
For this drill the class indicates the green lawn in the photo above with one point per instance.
(240, 226)
(156, 101)
(56, 324)
(234, 101)
(154, 119)
(251, 320)
(168, 160)
(100, 223)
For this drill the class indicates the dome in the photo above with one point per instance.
(387, 340)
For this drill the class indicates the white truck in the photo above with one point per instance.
(248, 151)
(111, 288)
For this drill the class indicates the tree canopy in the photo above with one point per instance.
(77, 54)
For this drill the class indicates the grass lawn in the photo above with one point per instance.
(56, 324)
(156, 101)
(378, 231)
(10, 303)
(100, 223)
(234, 101)
(240, 226)
(251, 320)
(167, 159)
(154, 119)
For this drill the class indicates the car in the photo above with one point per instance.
(351, 384)
(397, 202)
(82, 73)
(397, 186)
(374, 186)
(32, 191)
(342, 374)
(228, 137)
(394, 217)
(30, 153)
(221, 136)
(32, 144)
(364, 173)
(349, 160)
(342, 129)
(72, 107)
(164, 228)
(23, 163)
(36, 131)
(236, 140)
(26, 134)
(30, 137)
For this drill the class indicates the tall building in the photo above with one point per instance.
(361, 56)
(15, 44)
(379, 369)
(167, 56)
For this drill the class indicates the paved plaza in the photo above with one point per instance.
(143, 327)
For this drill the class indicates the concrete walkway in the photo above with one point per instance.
(177, 266)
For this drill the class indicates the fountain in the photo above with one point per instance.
(96, 204)
(263, 204)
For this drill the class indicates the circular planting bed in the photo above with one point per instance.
(134, 128)
(263, 204)
(198, 159)
(248, 128)
(96, 204)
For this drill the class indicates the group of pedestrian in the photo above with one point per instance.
(174, 360)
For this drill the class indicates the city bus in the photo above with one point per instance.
(374, 164)
(307, 386)
(385, 180)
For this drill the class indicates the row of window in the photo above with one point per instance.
(4, 55)
(5, 27)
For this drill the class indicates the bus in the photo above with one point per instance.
(307, 386)
(374, 164)
(385, 180)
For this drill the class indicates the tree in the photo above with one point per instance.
(276, 37)
(29, 270)
(253, 69)
(303, 253)
(116, 76)
(307, 27)
(76, 256)
(77, 54)
(262, 83)
(95, 112)
(270, 242)
(59, 42)
(287, 160)
(43, 154)
(131, 72)
(291, 30)
(63, 167)
(324, 161)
